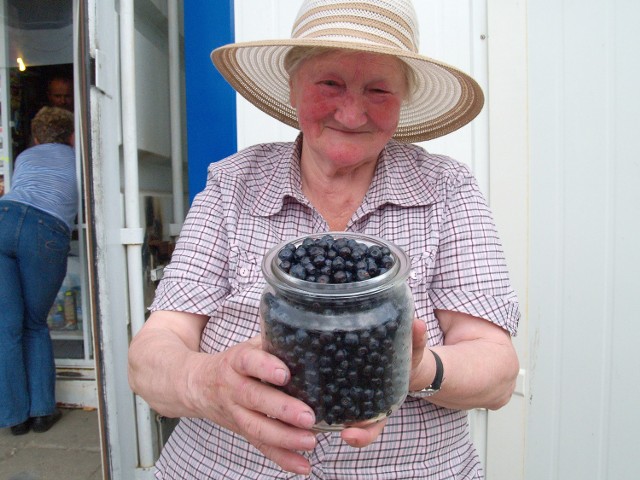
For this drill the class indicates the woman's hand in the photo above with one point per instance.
(231, 388)
(232, 392)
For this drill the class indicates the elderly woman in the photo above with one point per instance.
(351, 80)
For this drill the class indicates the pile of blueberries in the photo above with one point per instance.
(347, 374)
(334, 260)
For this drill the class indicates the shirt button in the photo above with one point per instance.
(413, 274)
(244, 272)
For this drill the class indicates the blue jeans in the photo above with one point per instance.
(33, 263)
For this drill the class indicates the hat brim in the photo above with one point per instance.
(445, 98)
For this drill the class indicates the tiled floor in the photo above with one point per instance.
(69, 451)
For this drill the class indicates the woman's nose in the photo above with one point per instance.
(351, 112)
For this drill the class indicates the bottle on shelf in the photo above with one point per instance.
(69, 309)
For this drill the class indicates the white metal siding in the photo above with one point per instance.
(585, 205)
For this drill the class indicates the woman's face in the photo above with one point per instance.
(348, 105)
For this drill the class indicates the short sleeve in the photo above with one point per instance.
(196, 279)
(470, 271)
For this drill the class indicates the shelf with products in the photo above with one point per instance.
(75, 335)
(65, 315)
(5, 169)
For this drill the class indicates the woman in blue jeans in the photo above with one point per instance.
(36, 219)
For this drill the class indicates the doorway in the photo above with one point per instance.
(37, 39)
(38, 71)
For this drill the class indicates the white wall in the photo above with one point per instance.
(508, 197)
(584, 100)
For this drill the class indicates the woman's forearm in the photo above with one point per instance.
(480, 364)
(161, 362)
(477, 374)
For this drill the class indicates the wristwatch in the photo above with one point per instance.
(437, 381)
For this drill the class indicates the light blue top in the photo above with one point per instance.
(45, 178)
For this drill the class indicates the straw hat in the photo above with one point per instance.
(445, 98)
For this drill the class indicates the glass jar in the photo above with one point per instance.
(347, 345)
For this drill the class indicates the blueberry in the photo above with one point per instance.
(358, 254)
(300, 253)
(340, 277)
(298, 271)
(346, 401)
(372, 267)
(338, 264)
(341, 356)
(386, 261)
(339, 243)
(351, 339)
(375, 252)
(325, 361)
(285, 265)
(286, 254)
(319, 260)
(302, 337)
(362, 275)
(315, 251)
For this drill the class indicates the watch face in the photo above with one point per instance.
(427, 392)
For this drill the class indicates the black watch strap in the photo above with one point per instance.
(437, 380)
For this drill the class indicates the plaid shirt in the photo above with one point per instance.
(429, 205)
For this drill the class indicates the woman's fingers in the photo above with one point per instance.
(419, 338)
(254, 370)
(360, 437)
(248, 404)
(288, 460)
(256, 396)
(255, 362)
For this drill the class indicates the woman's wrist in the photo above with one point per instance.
(436, 383)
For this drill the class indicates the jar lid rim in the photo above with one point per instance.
(398, 272)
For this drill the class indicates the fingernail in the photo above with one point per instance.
(308, 443)
(307, 419)
(303, 469)
(281, 376)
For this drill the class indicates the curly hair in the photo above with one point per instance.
(52, 125)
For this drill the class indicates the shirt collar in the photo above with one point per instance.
(399, 179)
(284, 182)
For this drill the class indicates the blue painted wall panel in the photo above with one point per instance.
(210, 101)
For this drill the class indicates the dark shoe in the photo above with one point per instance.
(22, 428)
(42, 424)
